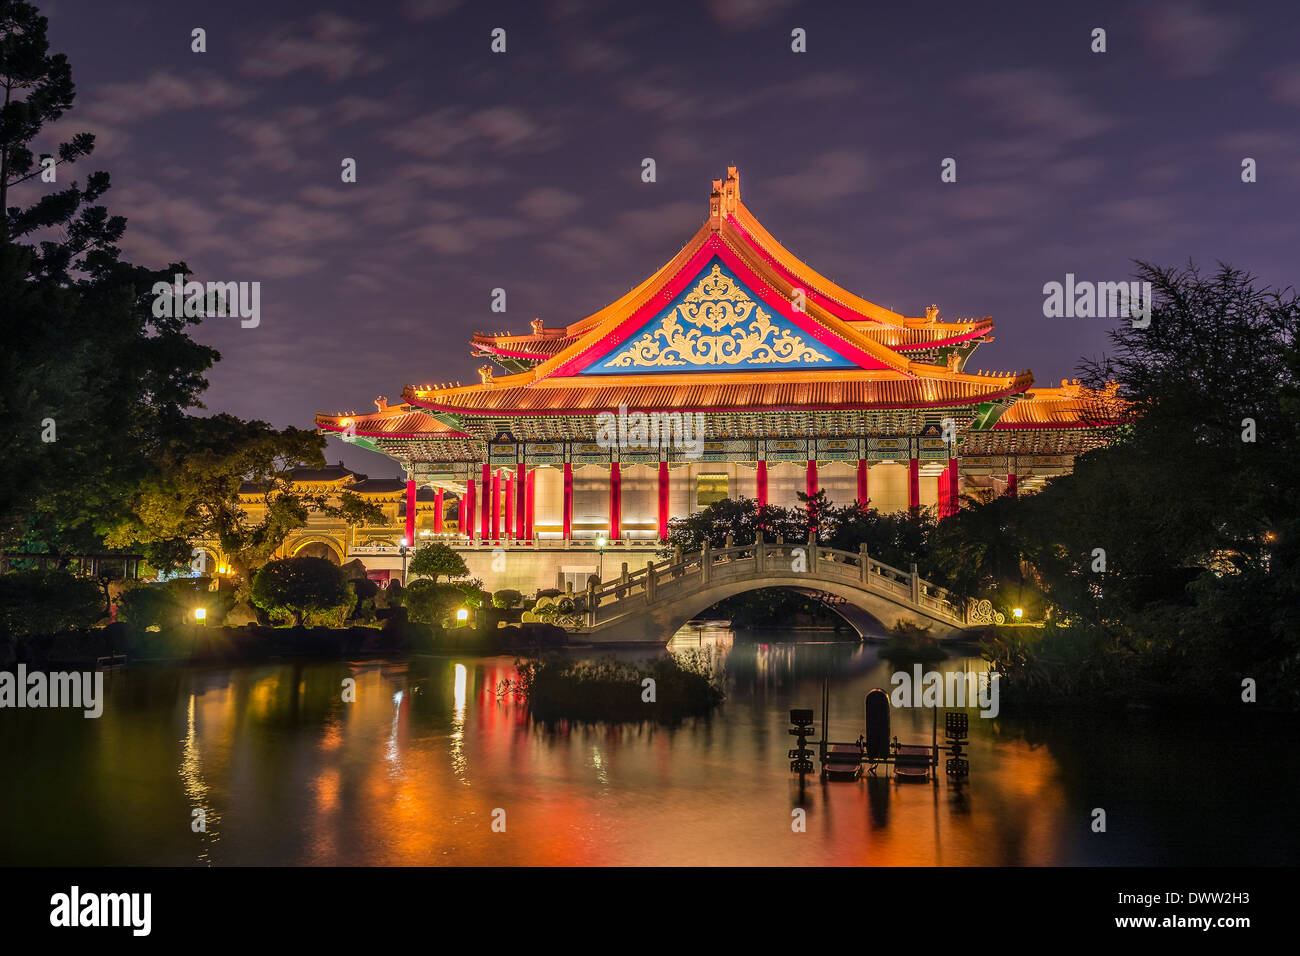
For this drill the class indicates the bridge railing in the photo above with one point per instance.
(669, 578)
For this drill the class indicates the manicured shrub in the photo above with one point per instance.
(506, 598)
(47, 602)
(311, 590)
(435, 560)
(432, 602)
(146, 604)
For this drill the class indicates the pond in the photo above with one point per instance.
(419, 767)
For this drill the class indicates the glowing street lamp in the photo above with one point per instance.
(405, 544)
(462, 615)
(1018, 613)
(600, 544)
(200, 614)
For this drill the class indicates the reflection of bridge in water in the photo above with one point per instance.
(650, 604)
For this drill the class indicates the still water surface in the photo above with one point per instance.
(412, 771)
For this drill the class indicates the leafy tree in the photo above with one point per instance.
(355, 511)
(432, 602)
(897, 538)
(303, 587)
(194, 492)
(741, 518)
(980, 551)
(172, 603)
(1169, 557)
(41, 602)
(87, 403)
(434, 560)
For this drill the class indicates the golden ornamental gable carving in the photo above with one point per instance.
(717, 323)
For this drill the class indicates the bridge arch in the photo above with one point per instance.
(861, 621)
(650, 605)
(667, 620)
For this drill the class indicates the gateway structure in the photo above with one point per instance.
(583, 438)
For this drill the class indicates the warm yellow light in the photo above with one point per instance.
(1018, 613)
(200, 613)
(462, 614)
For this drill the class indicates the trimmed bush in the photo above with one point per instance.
(506, 598)
(431, 602)
(312, 590)
(171, 603)
(435, 560)
(47, 602)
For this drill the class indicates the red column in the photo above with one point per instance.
(462, 514)
(1012, 489)
(521, 503)
(470, 500)
(862, 482)
(508, 492)
(760, 484)
(437, 510)
(531, 482)
(663, 501)
(943, 504)
(913, 483)
(485, 519)
(615, 500)
(496, 504)
(410, 513)
(954, 485)
(568, 501)
(811, 480)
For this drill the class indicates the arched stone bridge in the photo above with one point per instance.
(650, 604)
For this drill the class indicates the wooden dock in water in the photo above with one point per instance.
(875, 747)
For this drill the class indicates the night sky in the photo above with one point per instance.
(522, 170)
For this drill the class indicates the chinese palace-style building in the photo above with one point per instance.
(798, 384)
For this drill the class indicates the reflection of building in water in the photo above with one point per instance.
(584, 433)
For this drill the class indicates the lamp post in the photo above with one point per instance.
(405, 544)
(600, 545)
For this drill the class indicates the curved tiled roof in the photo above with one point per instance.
(771, 392)
(399, 422)
(1070, 406)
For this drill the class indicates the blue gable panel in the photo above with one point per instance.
(716, 324)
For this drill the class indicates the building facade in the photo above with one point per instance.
(734, 370)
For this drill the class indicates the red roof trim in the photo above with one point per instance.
(592, 412)
(425, 436)
(713, 246)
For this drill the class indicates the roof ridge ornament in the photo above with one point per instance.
(724, 199)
